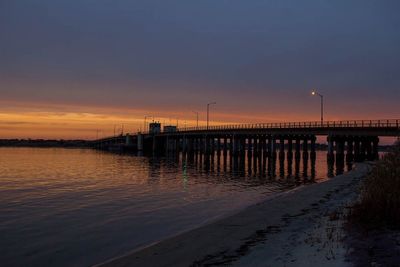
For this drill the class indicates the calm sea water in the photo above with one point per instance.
(78, 207)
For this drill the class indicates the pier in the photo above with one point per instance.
(348, 141)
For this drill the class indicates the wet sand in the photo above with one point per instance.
(302, 227)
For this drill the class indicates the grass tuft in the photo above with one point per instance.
(379, 204)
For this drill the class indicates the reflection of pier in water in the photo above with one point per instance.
(254, 159)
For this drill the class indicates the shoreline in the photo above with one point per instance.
(233, 239)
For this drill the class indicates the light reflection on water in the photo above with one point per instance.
(79, 207)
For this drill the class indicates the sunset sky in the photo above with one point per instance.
(70, 68)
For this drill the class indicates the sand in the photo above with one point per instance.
(302, 227)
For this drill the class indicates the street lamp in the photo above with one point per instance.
(197, 118)
(208, 111)
(315, 93)
(145, 118)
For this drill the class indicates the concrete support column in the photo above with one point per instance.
(184, 144)
(290, 145)
(242, 146)
(249, 146)
(375, 144)
(282, 148)
(297, 148)
(273, 147)
(154, 147)
(259, 152)
(212, 145)
(369, 148)
(201, 144)
(238, 144)
(255, 154)
(238, 148)
(330, 156)
(225, 145)
(305, 144)
(140, 142)
(272, 159)
(219, 145)
(350, 150)
(313, 145)
(357, 149)
(128, 139)
(340, 147)
(282, 156)
(264, 155)
(196, 145)
(167, 146)
(249, 154)
(233, 146)
(255, 147)
(171, 143)
(363, 149)
(207, 148)
(305, 149)
(297, 158)
(313, 156)
(177, 145)
(242, 157)
(340, 155)
(267, 146)
(207, 145)
(191, 145)
(313, 153)
(229, 144)
(212, 152)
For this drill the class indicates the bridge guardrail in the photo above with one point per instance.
(391, 123)
(313, 124)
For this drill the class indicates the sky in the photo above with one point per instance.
(80, 68)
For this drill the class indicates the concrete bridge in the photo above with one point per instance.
(353, 140)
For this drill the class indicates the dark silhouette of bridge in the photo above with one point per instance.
(353, 140)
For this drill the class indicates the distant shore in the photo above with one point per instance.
(297, 228)
(44, 143)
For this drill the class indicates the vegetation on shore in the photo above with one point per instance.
(379, 204)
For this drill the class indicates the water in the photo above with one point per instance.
(64, 207)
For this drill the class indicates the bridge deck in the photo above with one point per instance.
(389, 127)
(354, 127)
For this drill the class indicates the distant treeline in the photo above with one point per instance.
(43, 143)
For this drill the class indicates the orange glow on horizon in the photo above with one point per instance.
(87, 125)
(25, 121)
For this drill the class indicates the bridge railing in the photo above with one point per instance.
(392, 123)
(310, 124)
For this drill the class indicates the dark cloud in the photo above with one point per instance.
(177, 53)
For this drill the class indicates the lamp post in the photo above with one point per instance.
(315, 93)
(197, 118)
(208, 111)
(145, 118)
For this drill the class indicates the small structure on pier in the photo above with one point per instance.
(155, 128)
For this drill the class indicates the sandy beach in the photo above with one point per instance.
(302, 227)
